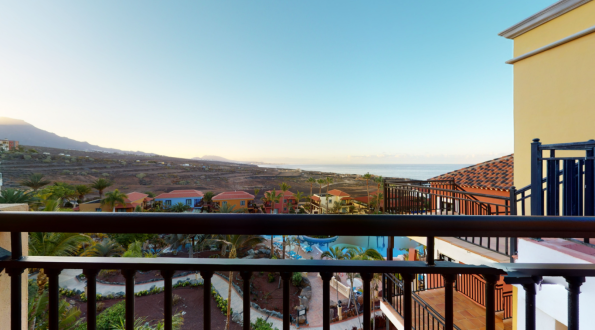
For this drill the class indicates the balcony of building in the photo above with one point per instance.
(456, 278)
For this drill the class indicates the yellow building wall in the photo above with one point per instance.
(561, 27)
(93, 206)
(5, 279)
(554, 96)
(236, 203)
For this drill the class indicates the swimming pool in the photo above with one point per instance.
(380, 243)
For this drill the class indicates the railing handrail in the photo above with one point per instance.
(291, 224)
(461, 198)
(457, 192)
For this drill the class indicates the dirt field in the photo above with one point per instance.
(163, 174)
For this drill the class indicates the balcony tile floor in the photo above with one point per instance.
(467, 314)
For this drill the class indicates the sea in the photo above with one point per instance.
(405, 171)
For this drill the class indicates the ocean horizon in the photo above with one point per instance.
(406, 171)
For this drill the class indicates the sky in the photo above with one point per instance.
(300, 82)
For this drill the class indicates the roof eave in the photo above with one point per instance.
(556, 10)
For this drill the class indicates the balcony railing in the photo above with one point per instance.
(445, 197)
(266, 224)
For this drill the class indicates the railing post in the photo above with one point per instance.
(129, 276)
(246, 275)
(449, 280)
(530, 292)
(54, 297)
(366, 278)
(16, 282)
(286, 276)
(574, 289)
(407, 302)
(207, 276)
(512, 197)
(589, 184)
(91, 276)
(389, 251)
(326, 300)
(536, 177)
(429, 251)
(490, 301)
(167, 299)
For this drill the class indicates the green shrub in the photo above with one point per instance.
(261, 324)
(105, 174)
(271, 278)
(296, 279)
(26, 157)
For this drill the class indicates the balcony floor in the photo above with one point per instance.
(467, 314)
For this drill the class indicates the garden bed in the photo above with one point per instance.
(268, 295)
(191, 302)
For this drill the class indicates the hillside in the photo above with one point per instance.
(27, 134)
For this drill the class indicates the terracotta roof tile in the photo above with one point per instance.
(287, 193)
(494, 174)
(336, 192)
(180, 194)
(233, 195)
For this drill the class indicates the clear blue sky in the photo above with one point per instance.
(288, 81)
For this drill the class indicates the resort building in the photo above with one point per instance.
(337, 202)
(553, 102)
(237, 199)
(286, 202)
(8, 145)
(134, 199)
(192, 198)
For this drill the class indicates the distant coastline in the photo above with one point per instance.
(409, 171)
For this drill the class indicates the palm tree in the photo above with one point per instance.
(35, 181)
(256, 191)
(105, 248)
(311, 181)
(52, 205)
(380, 183)
(207, 200)
(320, 183)
(328, 180)
(82, 190)
(177, 240)
(272, 197)
(16, 196)
(227, 208)
(233, 243)
(38, 316)
(360, 254)
(179, 208)
(100, 185)
(335, 253)
(54, 245)
(114, 197)
(367, 177)
(298, 197)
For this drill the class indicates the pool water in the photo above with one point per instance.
(380, 243)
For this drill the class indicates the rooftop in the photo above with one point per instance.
(180, 194)
(233, 195)
(339, 193)
(495, 174)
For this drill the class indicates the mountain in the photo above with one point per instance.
(216, 158)
(29, 135)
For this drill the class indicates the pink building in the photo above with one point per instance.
(285, 202)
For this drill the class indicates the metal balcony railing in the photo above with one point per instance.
(268, 224)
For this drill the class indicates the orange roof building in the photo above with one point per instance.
(236, 199)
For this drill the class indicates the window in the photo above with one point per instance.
(285, 201)
(284, 209)
(188, 202)
(98, 209)
(224, 203)
(242, 203)
(168, 202)
(120, 210)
